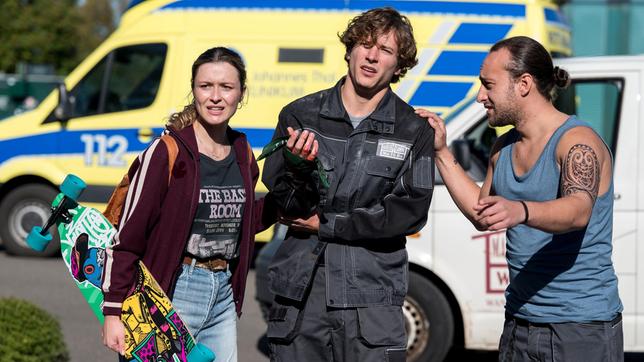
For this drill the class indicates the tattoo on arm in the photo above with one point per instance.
(580, 172)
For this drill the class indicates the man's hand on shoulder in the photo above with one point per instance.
(440, 135)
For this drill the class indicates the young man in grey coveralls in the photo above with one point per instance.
(340, 277)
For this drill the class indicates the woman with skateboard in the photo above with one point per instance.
(191, 217)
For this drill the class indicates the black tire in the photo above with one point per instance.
(20, 210)
(428, 320)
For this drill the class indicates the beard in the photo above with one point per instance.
(504, 117)
(507, 114)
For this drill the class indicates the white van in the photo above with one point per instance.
(458, 275)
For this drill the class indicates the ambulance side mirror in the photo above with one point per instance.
(65, 107)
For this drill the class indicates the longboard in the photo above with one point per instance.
(154, 331)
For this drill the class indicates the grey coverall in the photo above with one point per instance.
(339, 293)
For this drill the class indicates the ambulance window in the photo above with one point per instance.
(597, 102)
(127, 78)
(87, 92)
(135, 77)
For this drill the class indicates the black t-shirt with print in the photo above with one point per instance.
(215, 229)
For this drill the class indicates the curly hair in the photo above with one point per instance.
(367, 27)
(188, 115)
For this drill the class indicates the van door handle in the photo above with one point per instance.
(617, 196)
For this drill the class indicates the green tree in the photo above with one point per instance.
(38, 31)
(97, 22)
(58, 32)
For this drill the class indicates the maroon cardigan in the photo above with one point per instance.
(157, 218)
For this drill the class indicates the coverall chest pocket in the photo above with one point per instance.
(377, 180)
(383, 167)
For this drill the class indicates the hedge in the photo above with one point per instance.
(29, 334)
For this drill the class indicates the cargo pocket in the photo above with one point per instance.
(282, 323)
(382, 326)
(397, 354)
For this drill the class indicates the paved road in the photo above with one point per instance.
(46, 283)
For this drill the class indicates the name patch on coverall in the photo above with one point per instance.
(392, 149)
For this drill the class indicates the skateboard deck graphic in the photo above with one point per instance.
(153, 329)
(151, 323)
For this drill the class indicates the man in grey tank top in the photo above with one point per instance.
(549, 183)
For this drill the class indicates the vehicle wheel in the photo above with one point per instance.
(428, 321)
(22, 209)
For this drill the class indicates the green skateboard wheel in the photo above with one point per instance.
(36, 240)
(73, 186)
(201, 353)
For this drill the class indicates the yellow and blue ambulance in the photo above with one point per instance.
(112, 105)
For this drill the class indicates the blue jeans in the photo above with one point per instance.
(204, 300)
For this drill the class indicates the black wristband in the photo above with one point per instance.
(525, 208)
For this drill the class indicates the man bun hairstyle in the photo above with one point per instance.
(562, 78)
(529, 56)
(368, 26)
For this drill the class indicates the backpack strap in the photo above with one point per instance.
(173, 151)
(250, 152)
(117, 200)
(115, 204)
